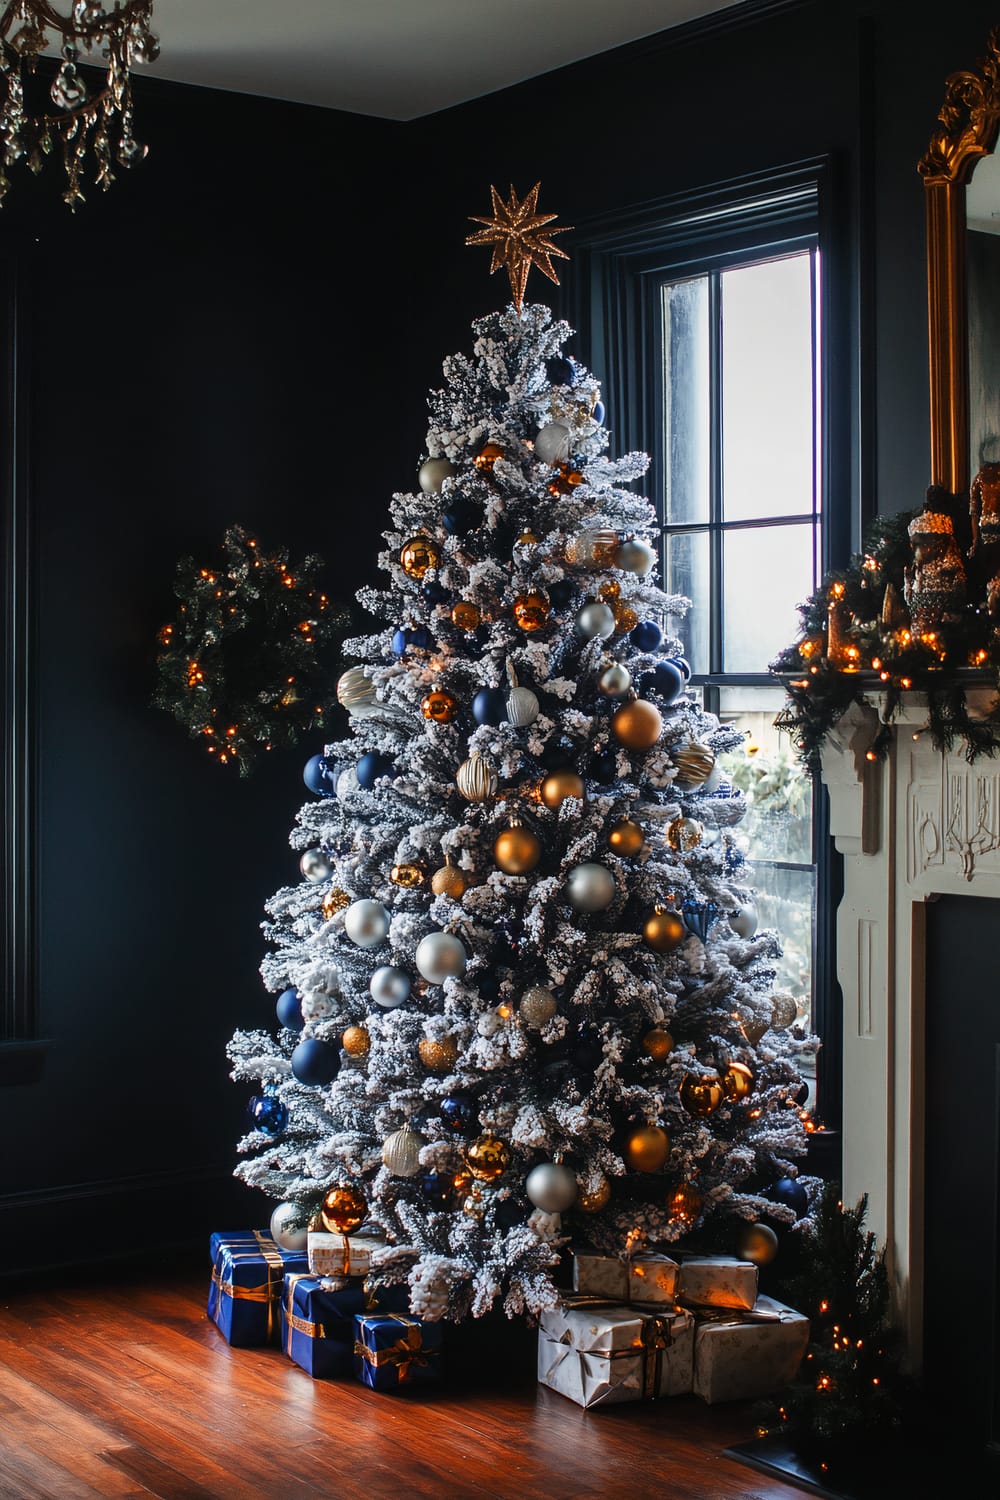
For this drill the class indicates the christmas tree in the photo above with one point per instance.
(524, 1001)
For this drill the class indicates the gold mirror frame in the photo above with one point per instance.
(970, 121)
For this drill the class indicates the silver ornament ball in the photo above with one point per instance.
(538, 1006)
(595, 621)
(356, 693)
(440, 956)
(634, 556)
(366, 923)
(389, 987)
(590, 887)
(615, 680)
(433, 473)
(743, 920)
(522, 707)
(315, 866)
(552, 444)
(401, 1151)
(551, 1187)
(289, 1227)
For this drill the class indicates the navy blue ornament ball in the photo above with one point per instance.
(665, 682)
(288, 1007)
(598, 414)
(604, 766)
(315, 1063)
(560, 371)
(461, 516)
(489, 706)
(791, 1193)
(434, 593)
(489, 987)
(457, 1113)
(267, 1114)
(437, 1188)
(373, 765)
(320, 776)
(561, 593)
(411, 635)
(647, 635)
(682, 665)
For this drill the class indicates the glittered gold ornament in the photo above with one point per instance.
(531, 611)
(592, 1200)
(487, 1158)
(558, 785)
(757, 1243)
(517, 850)
(701, 1096)
(440, 1056)
(593, 548)
(664, 930)
(439, 706)
(647, 1148)
(515, 234)
(418, 555)
(449, 881)
(335, 900)
(637, 725)
(683, 834)
(537, 1007)
(356, 1041)
(344, 1209)
(737, 1081)
(626, 838)
(407, 876)
(609, 591)
(487, 457)
(476, 778)
(783, 1009)
(694, 762)
(626, 618)
(466, 615)
(685, 1202)
(658, 1043)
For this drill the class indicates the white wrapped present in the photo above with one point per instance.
(340, 1254)
(739, 1356)
(652, 1278)
(600, 1275)
(717, 1281)
(640, 1278)
(596, 1353)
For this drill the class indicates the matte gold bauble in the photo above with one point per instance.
(757, 1242)
(531, 611)
(783, 1009)
(658, 1043)
(407, 876)
(701, 1096)
(356, 1041)
(449, 881)
(344, 1209)
(487, 457)
(558, 785)
(335, 900)
(737, 1081)
(685, 1202)
(694, 762)
(626, 838)
(592, 1200)
(647, 1148)
(440, 1056)
(487, 1158)
(439, 706)
(664, 930)
(637, 725)
(418, 555)
(683, 834)
(517, 850)
(466, 615)
(476, 778)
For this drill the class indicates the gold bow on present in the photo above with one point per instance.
(404, 1353)
(657, 1335)
(268, 1291)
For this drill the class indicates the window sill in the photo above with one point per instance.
(21, 1063)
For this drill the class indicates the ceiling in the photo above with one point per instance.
(397, 59)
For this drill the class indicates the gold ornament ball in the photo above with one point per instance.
(407, 876)
(783, 1009)
(466, 615)
(439, 706)
(517, 850)
(526, 539)
(559, 785)
(684, 834)
(356, 1041)
(449, 881)
(626, 838)
(487, 457)
(626, 618)
(592, 1200)
(758, 1243)
(685, 1202)
(658, 1043)
(737, 1081)
(335, 900)
(637, 725)
(592, 549)
(701, 1096)
(647, 1148)
(531, 611)
(664, 930)
(418, 555)
(609, 591)
(694, 763)
(487, 1158)
(753, 1028)
(440, 1057)
(537, 1007)
(476, 778)
(344, 1209)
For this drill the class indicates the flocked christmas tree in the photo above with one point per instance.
(522, 994)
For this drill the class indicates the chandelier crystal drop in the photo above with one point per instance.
(68, 114)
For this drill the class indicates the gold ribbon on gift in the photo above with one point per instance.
(268, 1291)
(405, 1352)
(294, 1323)
(657, 1335)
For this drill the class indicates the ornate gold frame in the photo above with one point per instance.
(970, 122)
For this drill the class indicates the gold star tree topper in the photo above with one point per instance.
(513, 231)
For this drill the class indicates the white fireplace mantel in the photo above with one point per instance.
(920, 825)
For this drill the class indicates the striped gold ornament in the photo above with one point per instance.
(477, 778)
(694, 762)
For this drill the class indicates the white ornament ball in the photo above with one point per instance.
(289, 1228)
(552, 444)
(389, 987)
(347, 784)
(743, 920)
(615, 680)
(433, 473)
(634, 556)
(440, 956)
(595, 621)
(366, 923)
(551, 1187)
(590, 887)
(538, 1006)
(401, 1151)
(356, 693)
(522, 707)
(315, 866)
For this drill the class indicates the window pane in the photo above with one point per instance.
(688, 574)
(686, 401)
(767, 390)
(767, 572)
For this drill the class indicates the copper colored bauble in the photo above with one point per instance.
(592, 1200)
(637, 725)
(356, 1041)
(685, 1202)
(526, 539)
(407, 876)
(658, 1043)
(439, 706)
(684, 834)
(335, 900)
(487, 1158)
(647, 1148)
(476, 778)
(626, 618)
(487, 457)
(610, 591)
(440, 1056)
(593, 548)
(517, 850)
(754, 1027)
(449, 881)
(758, 1243)
(664, 930)
(564, 481)
(694, 762)
(559, 785)
(466, 615)
(737, 1081)
(418, 555)
(625, 838)
(783, 1009)
(531, 611)
(344, 1209)
(701, 1096)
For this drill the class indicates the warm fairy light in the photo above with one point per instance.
(824, 1306)
(802, 682)
(814, 669)
(976, 658)
(808, 648)
(876, 663)
(884, 676)
(906, 682)
(194, 674)
(208, 577)
(837, 590)
(824, 1383)
(505, 1010)
(870, 755)
(755, 1114)
(232, 730)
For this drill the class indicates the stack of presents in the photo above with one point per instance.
(632, 1329)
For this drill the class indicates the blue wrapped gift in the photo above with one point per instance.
(391, 1350)
(317, 1324)
(248, 1273)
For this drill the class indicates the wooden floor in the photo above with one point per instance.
(120, 1386)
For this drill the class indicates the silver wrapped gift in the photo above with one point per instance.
(340, 1254)
(739, 1356)
(641, 1278)
(652, 1278)
(718, 1281)
(597, 1353)
(600, 1276)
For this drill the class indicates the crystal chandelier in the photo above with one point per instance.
(67, 116)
